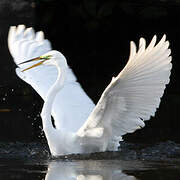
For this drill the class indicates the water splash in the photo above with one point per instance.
(24, 151)
(164, 151)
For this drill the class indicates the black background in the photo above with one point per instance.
(94, 36)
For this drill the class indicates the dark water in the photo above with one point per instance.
(89, 170)
(133, 161)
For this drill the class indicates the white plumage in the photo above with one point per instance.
(131, 98)
(25, 44)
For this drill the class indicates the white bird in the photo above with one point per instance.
(81, 127)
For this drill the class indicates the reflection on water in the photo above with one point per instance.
(87, 170)
(32, 161)
(67, 170)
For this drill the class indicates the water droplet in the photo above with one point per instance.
(3, 98)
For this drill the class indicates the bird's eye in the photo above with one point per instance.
(46, 57)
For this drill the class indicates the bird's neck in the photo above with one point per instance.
(51, 94)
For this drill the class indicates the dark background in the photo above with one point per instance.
(94, 36)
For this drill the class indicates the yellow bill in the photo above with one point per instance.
(43, 58)
(37, 64)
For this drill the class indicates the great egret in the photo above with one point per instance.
(131, 98)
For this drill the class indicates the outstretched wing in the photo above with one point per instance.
(71, 106)
(133, 96)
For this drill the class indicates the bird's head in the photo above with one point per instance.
(50, 58)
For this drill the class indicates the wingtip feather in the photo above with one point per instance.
(164, 37)
(20, 28)
(29, 33)
(152, 43)
(40, 36)
(132, 49)
(142, 45)
(11, 37)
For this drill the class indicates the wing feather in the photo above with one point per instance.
(134, 95)
(72, 106)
